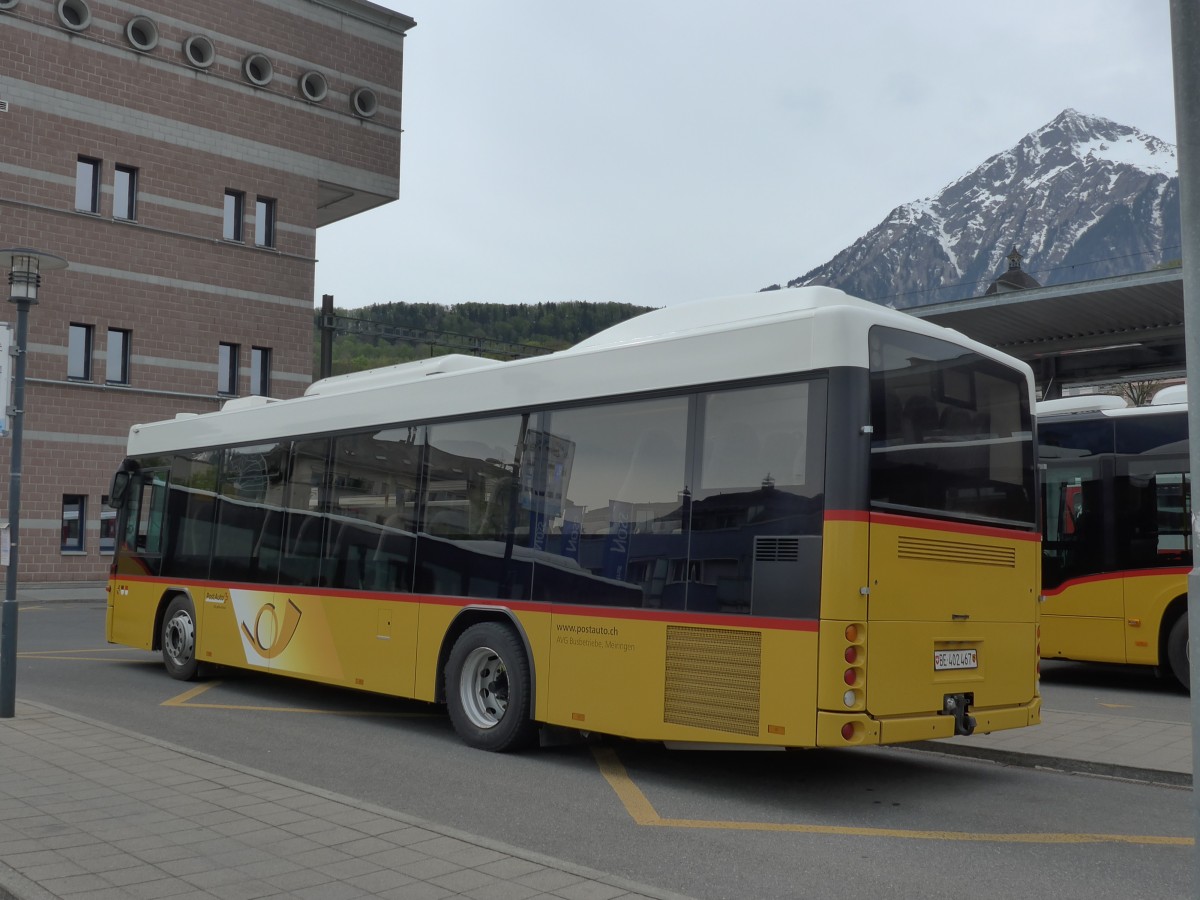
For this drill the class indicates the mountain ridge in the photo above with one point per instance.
(1082, 197)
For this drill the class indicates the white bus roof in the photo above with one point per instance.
(725, 339)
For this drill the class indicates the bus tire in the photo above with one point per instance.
(1179, 651)
(178, 639)
(488, 689)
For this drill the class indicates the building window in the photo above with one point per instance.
(235, 210)
(79, 352)
(264, 222)
(74, 518)
(118, 356)
(260, 371)
(108, 526)
(87, 184)
(227, 369)
(125, 193)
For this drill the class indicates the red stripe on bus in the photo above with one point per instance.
(727, 620)
(1115, 576)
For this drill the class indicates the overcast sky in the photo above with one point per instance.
(657, 151)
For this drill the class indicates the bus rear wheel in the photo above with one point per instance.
(1179, 651)
(488, 689)
(178, 639)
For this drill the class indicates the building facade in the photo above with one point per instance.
(181, 156)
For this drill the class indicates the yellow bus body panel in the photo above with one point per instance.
(844, 562)
(1115, 618)
(1147, 596)
(643, 677)
(937, 587)
(130, 616)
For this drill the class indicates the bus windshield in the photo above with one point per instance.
(952, 432)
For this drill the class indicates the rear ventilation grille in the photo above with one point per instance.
(3, 106)
(965, 552)
(777, 549)
(712, 679)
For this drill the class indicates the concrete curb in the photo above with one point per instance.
(1058, 764)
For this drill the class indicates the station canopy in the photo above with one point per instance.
(1126, 328)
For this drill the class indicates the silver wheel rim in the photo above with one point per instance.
(483, 687)
(179, 638)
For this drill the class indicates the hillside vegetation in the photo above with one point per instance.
(387, 333)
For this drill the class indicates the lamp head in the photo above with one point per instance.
(25, 267)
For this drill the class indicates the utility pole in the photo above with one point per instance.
(1185, 38)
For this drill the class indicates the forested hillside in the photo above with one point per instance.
(387, 333)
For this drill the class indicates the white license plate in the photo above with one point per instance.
(955, 659)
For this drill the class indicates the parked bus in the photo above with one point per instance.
(790, 519)
(1117, 544)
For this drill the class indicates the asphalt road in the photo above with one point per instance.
(889, 822)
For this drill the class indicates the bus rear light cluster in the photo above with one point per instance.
(855, 674)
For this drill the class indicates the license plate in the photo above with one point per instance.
(955, 659)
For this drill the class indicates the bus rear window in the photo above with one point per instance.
(952, 432)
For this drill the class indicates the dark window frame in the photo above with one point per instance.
(74, 537)
(125, 184)
(83, 356)
(87, 184)
(264, 222)
(228, 374)
(233, 216)
(121, 367)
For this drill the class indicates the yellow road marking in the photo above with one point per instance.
(1116, 706)
(185, 699)
(643, 813)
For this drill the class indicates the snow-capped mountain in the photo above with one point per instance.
(1080, 198)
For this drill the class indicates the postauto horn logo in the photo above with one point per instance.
(272, 630)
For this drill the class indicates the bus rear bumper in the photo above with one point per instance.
(858, 729)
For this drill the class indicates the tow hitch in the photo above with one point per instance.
(958, 705)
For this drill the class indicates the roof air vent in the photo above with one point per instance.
(258, 69)
(199, 51)
(364, 102)
(142, 33)
(313, 86)
(74, 14)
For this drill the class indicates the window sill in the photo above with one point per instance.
(73, 553)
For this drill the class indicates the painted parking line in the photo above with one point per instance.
(643, 812)
(188, 697)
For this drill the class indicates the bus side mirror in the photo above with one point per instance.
(120, 487)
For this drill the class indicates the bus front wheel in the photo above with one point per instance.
(179, 639)
(1179, 651)
(488, 689)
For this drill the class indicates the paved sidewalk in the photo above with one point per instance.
(91, 811)
(1090, 743)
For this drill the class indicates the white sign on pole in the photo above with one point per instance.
(6, 377)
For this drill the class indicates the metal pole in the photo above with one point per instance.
(8, 609)
(1185, 38)
(327, 328)
(25, 268)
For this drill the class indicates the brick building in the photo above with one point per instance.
(180, 156)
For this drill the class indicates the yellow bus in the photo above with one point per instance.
(789, 519)
(1117, 519)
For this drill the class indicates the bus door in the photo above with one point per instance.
(1083, 615)
(139, 556)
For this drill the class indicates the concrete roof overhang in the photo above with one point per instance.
(1126, 327)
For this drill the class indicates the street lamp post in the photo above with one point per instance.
(25, 267)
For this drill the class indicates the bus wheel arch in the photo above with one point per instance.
(1174, 643)
(487, 682)
(175, 636)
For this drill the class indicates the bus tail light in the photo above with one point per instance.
(855, 673)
